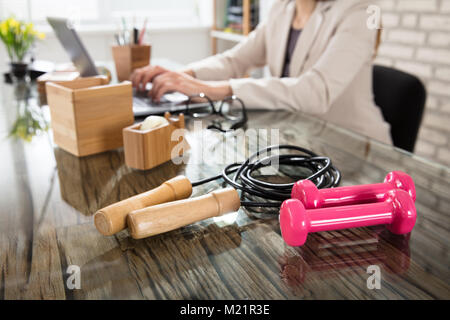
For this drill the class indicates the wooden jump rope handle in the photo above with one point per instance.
(170, 216)
(112, 219)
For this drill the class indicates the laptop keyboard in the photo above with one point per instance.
(172, 102)
(145, 106)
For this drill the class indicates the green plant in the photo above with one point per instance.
(18, 37)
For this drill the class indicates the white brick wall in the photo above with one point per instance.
(416, 39)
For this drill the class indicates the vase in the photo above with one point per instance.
(19, 70)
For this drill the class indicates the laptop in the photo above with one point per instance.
(142, 104)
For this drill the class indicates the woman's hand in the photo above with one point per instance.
(140, 77)
(188, 85)
(165, 81)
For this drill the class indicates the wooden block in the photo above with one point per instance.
(147, 149)
(87, 116)
(56, 76)
(86, 82)
(128, 58)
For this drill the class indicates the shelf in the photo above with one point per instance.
(227, 36)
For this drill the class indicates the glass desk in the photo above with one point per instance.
(49, 198)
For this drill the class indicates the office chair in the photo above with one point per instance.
(401, 98)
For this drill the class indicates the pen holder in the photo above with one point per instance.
(130, 57)
(87, 115)
(149, 148)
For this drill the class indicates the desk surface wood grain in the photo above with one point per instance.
(49, 197)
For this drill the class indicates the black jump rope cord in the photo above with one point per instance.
(313, 167)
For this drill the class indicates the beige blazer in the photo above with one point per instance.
(330, 71)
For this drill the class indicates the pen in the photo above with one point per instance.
(117, 39)
(135, 35)
(141, 35)
(125, 32)
(124, 24)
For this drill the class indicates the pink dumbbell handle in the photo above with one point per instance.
(342, 196)
(312, 198)
(355, 216)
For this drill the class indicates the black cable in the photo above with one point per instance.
(313, 167)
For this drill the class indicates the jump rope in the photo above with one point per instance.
(309, 166)
(169, 207)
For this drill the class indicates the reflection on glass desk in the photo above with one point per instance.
(345, 253)
(49, 197)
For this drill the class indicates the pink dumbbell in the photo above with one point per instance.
(313, 198)
(397, 211)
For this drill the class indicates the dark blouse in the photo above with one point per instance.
(294, 34)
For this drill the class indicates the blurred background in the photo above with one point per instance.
(416, 39)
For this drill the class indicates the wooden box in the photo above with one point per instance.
(87, 116)
(130, 57)
(149, 148)
(55, 76)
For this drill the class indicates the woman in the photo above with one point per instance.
(320, 57)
